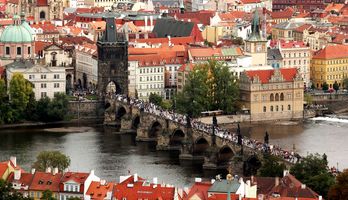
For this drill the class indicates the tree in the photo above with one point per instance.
(313, 87)
(58, 108)
(52, 159)
(271, 167)
(345, 83)
(335, 86)
(155, 99)
(47, 195)
(313, 171)
(8, 193)
(325, 86)
(20, 91)
(308, 99)
(74, 198)
(210, 86)
(339, 191)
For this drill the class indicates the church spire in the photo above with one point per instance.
(255, 28)
(110, 33)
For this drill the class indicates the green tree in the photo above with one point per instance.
(313, 87)
(335, 86)
(58, 107)
(47, 195)
(52, 159)
(155, 99)
(339, 191)
(42, 109)
(271, 167)
(8, 193)
(20, 91)
(345, 83)
(210, 86)
(308, 99)
(325, 86)
(313, 171)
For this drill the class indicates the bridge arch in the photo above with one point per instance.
(107, 105)
(177, 137)
(155, 129)
(136, 122)
(200, 146)
(121, 111)
(251, 165)
(224, 155)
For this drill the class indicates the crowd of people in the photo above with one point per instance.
(226, 135)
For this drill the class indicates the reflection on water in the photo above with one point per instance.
(112, 155)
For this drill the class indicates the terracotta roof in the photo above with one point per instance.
(250, 1)
(13, 1)
(173, 40)
(265, 75)
(46, 28)
(75, 176)
(25, 180)
(334, 6)
(87, 48)
(287, 13)
(331, 52)
(98, 25)
(45, 181)
(303, 27)
(303, 15)
(340, 38)
(69, 40)
(142, 189)
(40, 45)
(97, 191)
(205, 52)
(202, 16)
(200, 190)
(292, 44)
(5, 22)
(3, 168)
(163, 48)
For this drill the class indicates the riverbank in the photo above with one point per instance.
(85, 122)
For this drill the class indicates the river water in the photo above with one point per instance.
(111, 154)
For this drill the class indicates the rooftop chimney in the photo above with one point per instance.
(155, 181)
(33, 171)
(48, 170)
(198, 180)
(91, 172)
(103, 182)
(276, 181)
(212, 181)
(55, 171)
(135, 178)
(286, 172)
(303, 186)
(17, 174)
(13, 159)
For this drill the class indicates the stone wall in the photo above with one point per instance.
(330, 97)
(86, 110)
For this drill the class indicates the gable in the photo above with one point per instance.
(53, 47)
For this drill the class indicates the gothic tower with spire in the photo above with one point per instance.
(256, 44)
(112, 60)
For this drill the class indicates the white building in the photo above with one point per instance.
(47, 81)
(87, 66)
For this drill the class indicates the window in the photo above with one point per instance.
(19, 51)
(277, 108)
(43, 94)
(289, 107)
(56, 85)
(264, 109)
(31, 77)
(43, 76)
(7, 50)
(29, 50)
(271, 98)
(282, 108)
(56, 76)
(43, 85)
(271, 108)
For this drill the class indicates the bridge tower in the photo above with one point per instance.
(112, 61)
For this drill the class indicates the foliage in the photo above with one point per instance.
(335, 86)
(166, 104)
(325, 86)
(51, 159)
(308, 99)
(155, 99)
(8, 193)
(313, 87)
(210, 86)
(339, 191)
(313, 171)
(271, 167)
(237, 40)
(5, 111)
(58, 107)
(47, 195)
(345, 83)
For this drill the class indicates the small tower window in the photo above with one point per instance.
(29, 50)
(7, 50)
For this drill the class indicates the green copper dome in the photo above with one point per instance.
(16, 34)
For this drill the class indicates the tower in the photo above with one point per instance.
(255, 45)
(112, 60)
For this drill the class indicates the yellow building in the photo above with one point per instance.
(330, 65)
(213, 34)
(7, 167)
(45, 181)
(275, 94)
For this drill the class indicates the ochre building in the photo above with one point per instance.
(275, 94)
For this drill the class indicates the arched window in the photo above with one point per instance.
(42, 15)
(277, 108)
(277, 97)
(271, 98)
(271, 108)
(264, 109)
(281, 96)
(289, 107)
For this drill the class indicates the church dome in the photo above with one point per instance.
(17, 33)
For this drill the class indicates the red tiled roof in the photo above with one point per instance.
(205, 52)
(292, 44)
(303, 27)
(287, 13)
(199, 189)
(340, 38)
(75, 40)
(334, 6)
(98, 191)
(40, 45)
(3, 168)
(250, 1)
(142, 189)
(186, 67)
(173, 40)
(331, 52)
(75, 176)
(46, 28)
(265, 75)
(25, 179)
(13, 1)
(202, 16)
(45, 181)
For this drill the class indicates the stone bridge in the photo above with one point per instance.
(194, 145)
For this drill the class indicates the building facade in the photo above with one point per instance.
(272, 94)
(330, 65)
(86, 66)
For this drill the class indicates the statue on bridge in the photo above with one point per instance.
(266, 138)
(240, 139)
(266, 142)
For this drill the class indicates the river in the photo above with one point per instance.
(111, 154)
